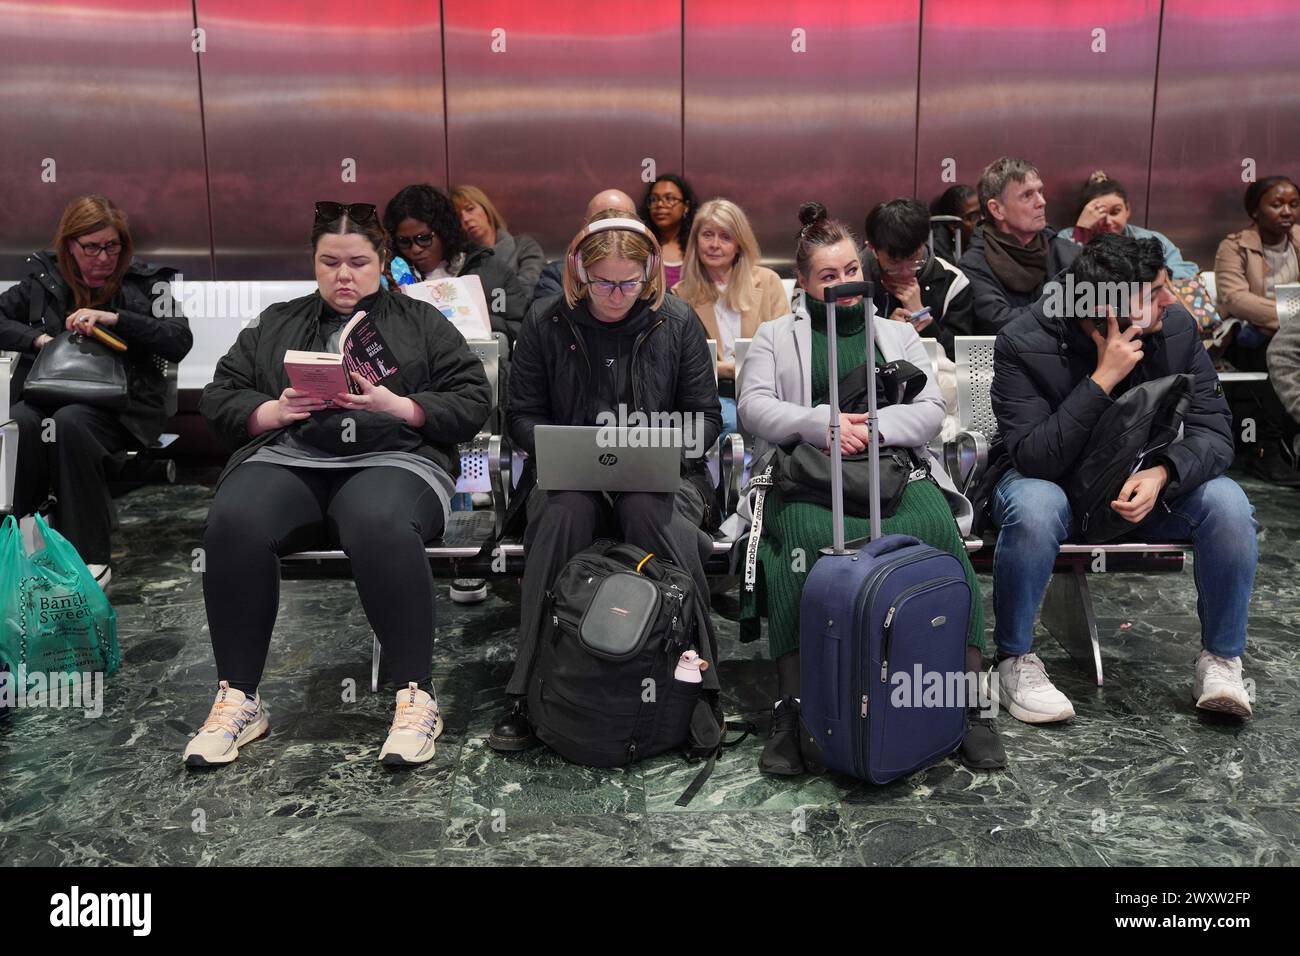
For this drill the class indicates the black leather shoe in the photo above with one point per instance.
(981, 748)
(782, 756)
(1272, 467)
(513, 733)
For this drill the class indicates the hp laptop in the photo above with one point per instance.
(595, 458)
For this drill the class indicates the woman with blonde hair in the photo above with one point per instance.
(482, 223)
(90, 280)
(732, 294)
(614, 344)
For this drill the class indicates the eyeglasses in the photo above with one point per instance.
(605, 288)
(359, 212)
(424, 240)
(669, 201)
(903, 269)
(94, 249)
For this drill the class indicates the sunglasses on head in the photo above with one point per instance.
(359, 212)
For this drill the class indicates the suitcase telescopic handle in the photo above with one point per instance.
(830, 295)
(847, 290)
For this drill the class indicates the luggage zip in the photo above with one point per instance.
(859, 670)
(903, 598)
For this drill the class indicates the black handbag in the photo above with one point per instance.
(73, 369)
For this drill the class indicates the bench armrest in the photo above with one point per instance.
(965, 458)
(500, 473)
(731, 468)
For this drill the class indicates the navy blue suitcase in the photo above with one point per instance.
(882, 632)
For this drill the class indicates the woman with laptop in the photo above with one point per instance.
(372, 472)
(613, 346)
(784, 400)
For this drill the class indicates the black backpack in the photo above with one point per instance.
(1140, 423)
(603, 692)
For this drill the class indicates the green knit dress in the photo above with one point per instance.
(795, 528)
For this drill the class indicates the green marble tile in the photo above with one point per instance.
(802, 836)
(923, 835)
(1146, 834)
(510, 839)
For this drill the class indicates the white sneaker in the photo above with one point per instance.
(102, 574)
(235, 719)
(416, 725)
(469, 590)
(1218, 685)
(1023, 687)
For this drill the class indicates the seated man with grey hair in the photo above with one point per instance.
(1013, 253)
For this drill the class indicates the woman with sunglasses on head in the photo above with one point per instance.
(373, 475)
(784, 401)
(428, 236)
(91, 281)
(669, 209)
(614, 344)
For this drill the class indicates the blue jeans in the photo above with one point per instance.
(1033, 518)
(728, 415)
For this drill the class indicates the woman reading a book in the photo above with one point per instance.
(370, 469)
(614, 344)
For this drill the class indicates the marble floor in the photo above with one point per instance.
(1137, 778)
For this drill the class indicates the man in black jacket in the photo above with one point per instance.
(614, 345)
(1053, 379)
(908, 279)
(1014, 252)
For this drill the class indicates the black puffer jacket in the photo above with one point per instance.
(550, 375)
(994, 304)
(150, 322)
(944, 288)
(435, 368)
(1047, 404)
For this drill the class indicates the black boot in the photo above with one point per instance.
(782, 756)
(1269, 464)
(513, 733)
(981, 748)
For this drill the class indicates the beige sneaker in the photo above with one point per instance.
(235, 719)
(416, 725)
(1218, 685)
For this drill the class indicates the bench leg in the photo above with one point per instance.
(374, 665)
(1068, 616)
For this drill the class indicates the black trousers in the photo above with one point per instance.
(562, 523)
(1258, 400)
(380, 516)
(71, 464)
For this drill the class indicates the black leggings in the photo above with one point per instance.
(381, 516)
(71, 464)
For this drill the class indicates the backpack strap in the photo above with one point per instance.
(746, 727)
(758, 485)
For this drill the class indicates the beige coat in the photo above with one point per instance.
(1239, 278)
(772, 304)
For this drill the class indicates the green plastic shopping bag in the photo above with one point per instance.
(53, 616)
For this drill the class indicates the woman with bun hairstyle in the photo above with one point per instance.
(1103, 207)
(784, 400)
(732, 294)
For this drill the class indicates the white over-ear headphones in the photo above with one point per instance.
(604, 225)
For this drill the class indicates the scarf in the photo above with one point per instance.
(1020, 268)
